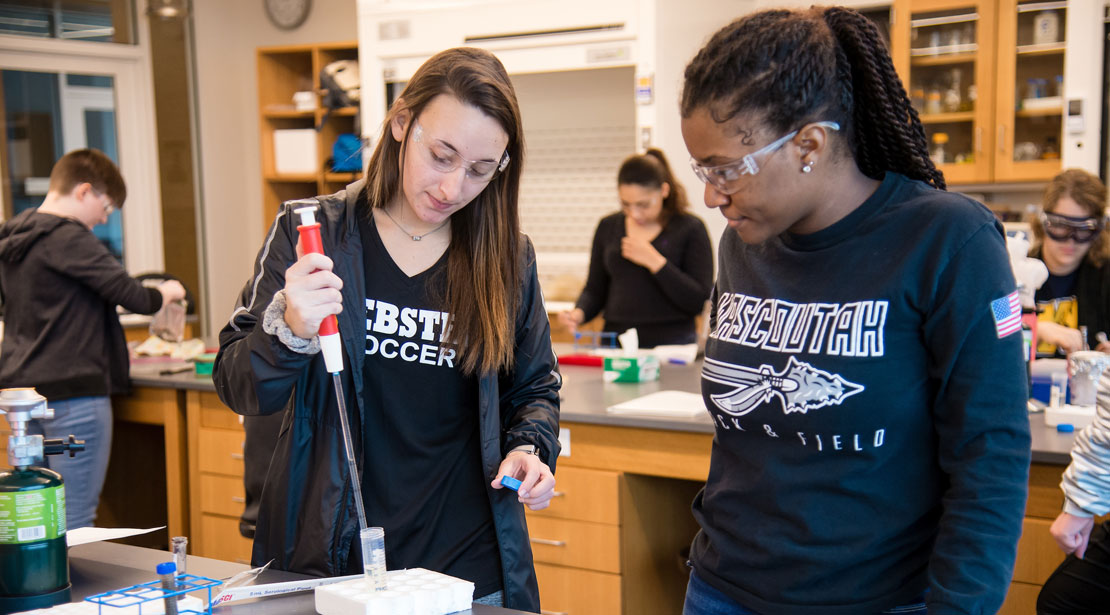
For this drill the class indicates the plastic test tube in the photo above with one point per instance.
(165, 571)
(373, 556)
(179, 545)
(1059, 389)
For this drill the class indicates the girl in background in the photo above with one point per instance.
(651, 266)
(1071, 237)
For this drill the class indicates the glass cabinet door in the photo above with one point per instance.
(1031, 44)
(943, 51)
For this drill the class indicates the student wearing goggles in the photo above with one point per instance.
(1070, 236)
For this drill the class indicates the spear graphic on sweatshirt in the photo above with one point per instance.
(800, 387)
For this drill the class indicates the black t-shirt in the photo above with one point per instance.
(422, 478)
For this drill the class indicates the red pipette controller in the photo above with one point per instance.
(329, 328)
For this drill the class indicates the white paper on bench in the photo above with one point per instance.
(663, 403)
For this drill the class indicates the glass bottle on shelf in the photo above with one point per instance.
(1051, 149)
(937, 151)
(917, 98)
(933, 101)
(952, 99)
(968, 103)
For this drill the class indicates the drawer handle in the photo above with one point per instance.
(238, 456)
(558, 494)
(553, 543)
(543, 612)
(238, 500)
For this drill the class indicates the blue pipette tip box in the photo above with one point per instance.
(510, 482)
(1065, 428)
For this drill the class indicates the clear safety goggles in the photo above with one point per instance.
(723, 177)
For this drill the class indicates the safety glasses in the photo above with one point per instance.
(1061, 228)
(723, 177)
(445, 159)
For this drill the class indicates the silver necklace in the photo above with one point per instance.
(412, 235)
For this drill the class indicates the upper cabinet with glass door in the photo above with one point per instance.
(943, 50)
(987, 79)
(1031, 45)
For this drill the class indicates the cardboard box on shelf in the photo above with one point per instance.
(295, 151)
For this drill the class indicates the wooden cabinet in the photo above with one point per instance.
(216, 495)
(611, 542)
(987, 79)
(283, 71)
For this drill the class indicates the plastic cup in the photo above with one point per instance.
(373, 556)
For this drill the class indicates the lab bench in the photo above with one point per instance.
(609, 543)
(99, 567)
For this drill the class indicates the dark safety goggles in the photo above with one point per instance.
(1079, 230)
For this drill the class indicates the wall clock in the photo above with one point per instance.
(287, 14)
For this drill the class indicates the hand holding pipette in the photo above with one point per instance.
(330, 346)
(312, 293)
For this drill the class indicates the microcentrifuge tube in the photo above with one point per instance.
(373, 556)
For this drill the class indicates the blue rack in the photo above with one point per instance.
(594, 339)
(147, 592)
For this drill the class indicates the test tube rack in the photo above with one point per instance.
(152, 594)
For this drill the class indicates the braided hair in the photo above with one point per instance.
(796, 67)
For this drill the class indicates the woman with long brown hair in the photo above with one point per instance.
(451, 377)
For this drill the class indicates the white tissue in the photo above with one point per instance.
(630, 342)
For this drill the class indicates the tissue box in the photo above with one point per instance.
(295, 151)
(631, 369)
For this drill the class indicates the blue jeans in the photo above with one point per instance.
(704, 599)
(89, 419)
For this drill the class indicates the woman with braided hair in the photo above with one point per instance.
(864, 363)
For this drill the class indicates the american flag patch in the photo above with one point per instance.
(1007, 314)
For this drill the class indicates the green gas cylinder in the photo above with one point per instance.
(34, 571)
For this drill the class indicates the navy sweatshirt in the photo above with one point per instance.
(871, 433)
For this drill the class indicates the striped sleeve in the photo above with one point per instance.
(1086, 482)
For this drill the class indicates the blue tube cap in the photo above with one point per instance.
(166, 568)
(510, 482)
(1065, 428)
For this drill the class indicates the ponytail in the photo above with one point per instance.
(791, 68)
(894, 139)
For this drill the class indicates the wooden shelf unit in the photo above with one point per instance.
(282, 71)
(988, 50)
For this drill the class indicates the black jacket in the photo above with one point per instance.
(307, 520)
(60, 287)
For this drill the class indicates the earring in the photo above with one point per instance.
(808, 167)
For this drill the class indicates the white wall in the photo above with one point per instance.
(682, 29)
(226, 35)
